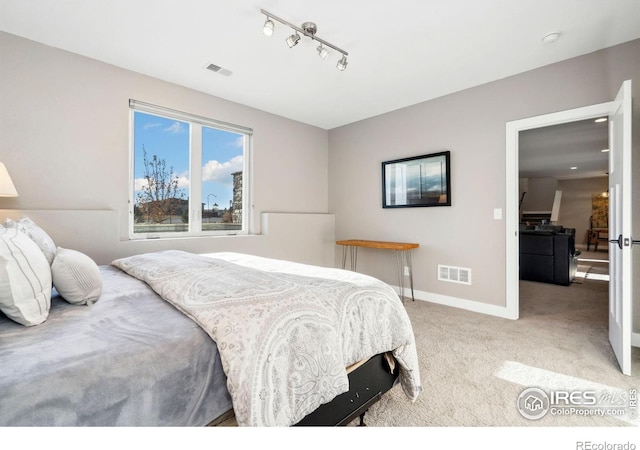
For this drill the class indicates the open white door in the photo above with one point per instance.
(620, 242)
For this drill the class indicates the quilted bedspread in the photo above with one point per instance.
(285, 331)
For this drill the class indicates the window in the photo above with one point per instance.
(189, 174)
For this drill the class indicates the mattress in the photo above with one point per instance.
(130, 359)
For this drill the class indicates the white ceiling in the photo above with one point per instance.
(400, 53)
(553, 151)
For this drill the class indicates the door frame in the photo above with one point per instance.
(512, 218)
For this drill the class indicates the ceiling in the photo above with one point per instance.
(400, 53)
(567, 151)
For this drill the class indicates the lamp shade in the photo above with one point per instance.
(7, 189)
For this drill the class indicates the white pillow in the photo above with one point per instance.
(25, 278)
(76, 277)
(39, 236)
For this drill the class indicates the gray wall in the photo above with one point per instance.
(64, 137)
(541, 192)
(575, 208)
(471, 124)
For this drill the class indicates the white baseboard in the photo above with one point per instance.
(469, 305)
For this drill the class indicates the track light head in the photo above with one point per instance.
(322, 52)
(268, 27)
(342, 63)
(292, 40)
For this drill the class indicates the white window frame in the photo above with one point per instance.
(195, 169)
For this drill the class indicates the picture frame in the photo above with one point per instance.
(417, 181)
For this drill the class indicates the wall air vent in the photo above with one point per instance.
(452, 274)
(219, 70)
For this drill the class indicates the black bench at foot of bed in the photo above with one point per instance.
(367, 383)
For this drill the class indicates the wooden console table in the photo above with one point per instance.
(403, 255)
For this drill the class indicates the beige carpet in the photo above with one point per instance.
(561, 339)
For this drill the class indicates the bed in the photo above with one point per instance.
(154, 349)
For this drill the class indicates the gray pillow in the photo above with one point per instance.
(76, 277)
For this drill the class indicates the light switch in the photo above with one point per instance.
(497, 213)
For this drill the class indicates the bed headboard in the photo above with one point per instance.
(94, 232)
(301, 237)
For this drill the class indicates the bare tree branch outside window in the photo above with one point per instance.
(161, 196)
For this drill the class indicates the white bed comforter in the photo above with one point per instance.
(285, 331)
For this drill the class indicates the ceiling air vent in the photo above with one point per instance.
(452, 274)
(218, 69)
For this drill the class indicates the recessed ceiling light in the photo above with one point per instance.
(601, 119)
(574, 168)
(550, 38)
(605, 150)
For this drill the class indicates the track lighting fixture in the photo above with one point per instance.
(307, 29)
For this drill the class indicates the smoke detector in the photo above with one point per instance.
(550, 38)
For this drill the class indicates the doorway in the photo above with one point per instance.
(563, 194)
(512, 216)
(619, 112)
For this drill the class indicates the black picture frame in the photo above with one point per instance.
(417, 181)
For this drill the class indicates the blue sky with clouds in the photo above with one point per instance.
(169, 140)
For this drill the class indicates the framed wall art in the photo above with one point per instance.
(417, 181)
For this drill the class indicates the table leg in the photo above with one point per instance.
(353, 257)
(409, 265)
(344, 256)
(404, 259)
(400, 258)
(353, 250)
